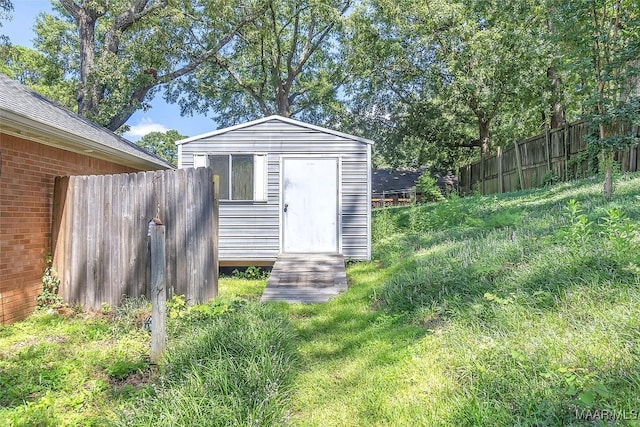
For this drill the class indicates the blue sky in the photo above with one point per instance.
(161, 117)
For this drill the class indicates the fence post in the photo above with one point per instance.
(547, 140)
(482, 160)
(565, 139)
(216, 231)
(519, 164)
(499, 160)
(158, 290)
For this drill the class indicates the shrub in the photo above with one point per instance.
(383, 224)
(250, 273)
(429, 188)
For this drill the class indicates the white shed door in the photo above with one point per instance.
(310, 204)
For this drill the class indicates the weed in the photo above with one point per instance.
(176, 306)
(383, 224)
(121, 369)
(49, 297)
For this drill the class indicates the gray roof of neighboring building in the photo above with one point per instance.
(27, 114)
(394, 181)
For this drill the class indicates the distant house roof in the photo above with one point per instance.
(390, 180)
(27, 114)
(272, 118)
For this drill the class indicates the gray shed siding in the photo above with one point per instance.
(250, 231)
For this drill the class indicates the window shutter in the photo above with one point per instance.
(200, 161)
(260, 177)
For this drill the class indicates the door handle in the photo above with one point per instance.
(286, 206)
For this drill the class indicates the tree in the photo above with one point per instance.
(457, 61)
(6, 7)
(286, 62)
(602, 43)
(119, 53)
(162, 144)
(39, 72)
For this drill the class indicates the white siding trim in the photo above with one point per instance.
(260, 167)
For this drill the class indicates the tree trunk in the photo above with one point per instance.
(557, 116)
(483, 127)
(607, 160)
(607, 189)
(86, 95)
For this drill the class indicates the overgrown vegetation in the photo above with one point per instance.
(517, 309)
(229, 362)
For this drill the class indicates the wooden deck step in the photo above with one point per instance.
(306, 278)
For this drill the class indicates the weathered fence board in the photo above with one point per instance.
(556, 153)
(99, 235)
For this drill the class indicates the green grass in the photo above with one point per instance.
(502, 310)
(72, 369)
(518, 309)
(231, 364)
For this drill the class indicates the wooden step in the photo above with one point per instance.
(306, 278)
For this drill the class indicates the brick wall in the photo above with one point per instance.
(26, 193)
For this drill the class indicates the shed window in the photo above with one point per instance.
(242, 176)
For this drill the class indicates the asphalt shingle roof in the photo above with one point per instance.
(20, 100)
(390, 181)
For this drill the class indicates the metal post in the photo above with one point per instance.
(158, 290)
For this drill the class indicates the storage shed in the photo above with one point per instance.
(286, 187)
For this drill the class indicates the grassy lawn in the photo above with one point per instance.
(519, 309)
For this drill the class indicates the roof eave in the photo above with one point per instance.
(269, 118)
(27, 128)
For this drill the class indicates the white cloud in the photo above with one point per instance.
(144, 126)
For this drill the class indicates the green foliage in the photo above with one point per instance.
(121, 369)
(68, 371)
(49, 297)
(39, 72)
(130, 314)
(250, 273)
(176, 306)
(434, 80)
(162, 144)
(298, 41)
(428, 186)
(6, 7)
(129, 53)
(383, 224)
(600, 56)
(519, 313)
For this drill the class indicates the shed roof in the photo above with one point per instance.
(272, 118)
(29, 115)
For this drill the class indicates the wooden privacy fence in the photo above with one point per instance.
(557, 154)
(99, 235)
